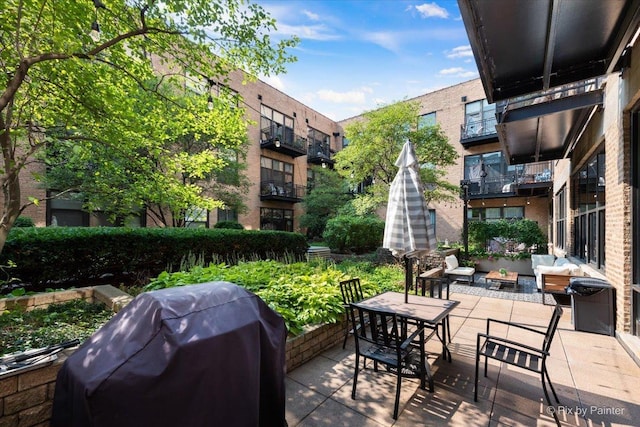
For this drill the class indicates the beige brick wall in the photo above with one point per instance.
(449, 106)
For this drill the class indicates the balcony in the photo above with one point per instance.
(544, 125)
(319, 153)
(281, 191)
(534, 179)
(281, 139)
(476, 132)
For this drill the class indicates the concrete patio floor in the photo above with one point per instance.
(597, 382)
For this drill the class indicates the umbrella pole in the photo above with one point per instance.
(408, 265)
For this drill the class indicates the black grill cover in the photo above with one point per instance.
(586, 286)
(211, 354)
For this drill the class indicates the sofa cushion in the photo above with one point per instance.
(539, 259)
(561, 261)
(451, 261)
(569, 269)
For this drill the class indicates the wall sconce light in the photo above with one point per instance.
(306, 120)
(260, 97)
(528, 201)
(505, 204)
(463, 99)
(324, 165)
(210, 98)
(95, 27)
(277, 142)
(482, 202)
(95, 31)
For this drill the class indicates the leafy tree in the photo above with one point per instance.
(116, 95)
(375, 143)
(328, 195)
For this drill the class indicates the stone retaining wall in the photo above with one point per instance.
(26, 399)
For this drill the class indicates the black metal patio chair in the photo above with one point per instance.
(379, 337)
(518, 354)
(438, 288)
(351, 292)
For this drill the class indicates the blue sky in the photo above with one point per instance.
(355, 56)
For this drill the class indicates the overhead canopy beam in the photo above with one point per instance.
(550, 44)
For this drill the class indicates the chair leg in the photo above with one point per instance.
(551, 385)
(346, 335)
(475, 382)
(398, 386)
(355, 377)
(546, 395)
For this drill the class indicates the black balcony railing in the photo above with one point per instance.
(283, 191)
(560, 92)
(529, 179)
(279, 138)
(474, 130)
(319, 153)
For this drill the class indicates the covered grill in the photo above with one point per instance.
(211, 354)
(592, 305)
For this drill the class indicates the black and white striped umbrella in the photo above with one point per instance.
(408, 231)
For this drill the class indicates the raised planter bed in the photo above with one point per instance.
(26, 399)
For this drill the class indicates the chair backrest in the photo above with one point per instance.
(551, 329)
(438, 286)
(375, 327)
(351, 291)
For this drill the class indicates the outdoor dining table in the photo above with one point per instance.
(418, 308)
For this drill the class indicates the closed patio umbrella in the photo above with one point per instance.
(408, 231)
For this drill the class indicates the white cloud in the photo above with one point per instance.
(457, 72)
(460, 52)
(432, 10)
(311, 15)
(358, 96)
(274, 81)
(310, 32)
(386, 40)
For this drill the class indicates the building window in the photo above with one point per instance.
(66, 212)
(276, 219)
(561, 218)
(427, 120)
(196, 217)
(319, 145)
(345, 142)
(276, 177)
(227, 215)
(479, 119)
(589, 211)
(432, 218)
(230, 174)
(489, 173)
(495, 214)
(275, 126)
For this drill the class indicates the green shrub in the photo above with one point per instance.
(520, 231)
(60, 256)
(303, 293)
(234, 225)
(24, 221)
(354, 233)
